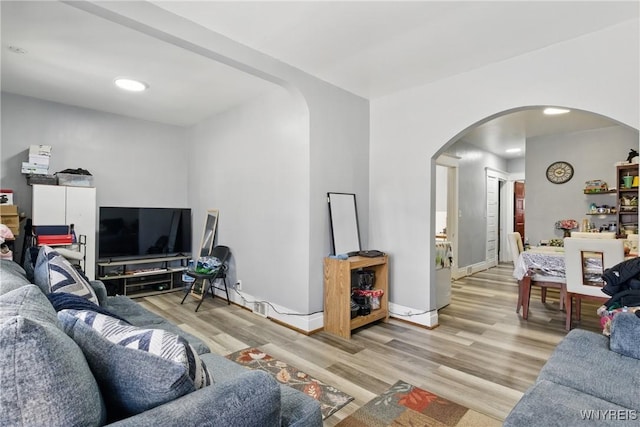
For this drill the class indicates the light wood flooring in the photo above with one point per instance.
(483, 355)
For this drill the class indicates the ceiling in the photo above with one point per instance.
(371, 49)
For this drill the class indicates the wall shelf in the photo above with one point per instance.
(598, 193)
(629, 215)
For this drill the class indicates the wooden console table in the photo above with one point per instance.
(337, 293)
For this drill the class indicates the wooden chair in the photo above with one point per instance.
(524, 286)
(583, 277)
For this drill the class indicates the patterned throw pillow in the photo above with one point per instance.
(54, 273)
(137, 369)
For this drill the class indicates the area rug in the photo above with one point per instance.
(406, 405)
(330, 398)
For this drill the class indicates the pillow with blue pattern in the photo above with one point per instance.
(54, 273)
(136, 369)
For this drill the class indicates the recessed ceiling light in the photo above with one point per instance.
(553, 111)
(130, 84)
(513, 150)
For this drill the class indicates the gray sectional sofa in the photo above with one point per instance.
(590, 379)
(47, 380)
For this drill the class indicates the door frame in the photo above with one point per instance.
(507, 212)
(451, 163)
(503, 202)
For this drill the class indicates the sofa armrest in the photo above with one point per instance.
(101, 292)
(251, 399)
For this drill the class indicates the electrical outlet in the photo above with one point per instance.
(239, 284)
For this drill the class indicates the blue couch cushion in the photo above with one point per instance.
(54, 273)
(12, 276)
(625, 335)
(553, 405)
(584, 362)
(137, 369)
(44, 375)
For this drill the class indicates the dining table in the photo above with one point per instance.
(544, 260)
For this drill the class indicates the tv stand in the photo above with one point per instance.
(137, 278)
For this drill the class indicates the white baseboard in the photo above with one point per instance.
(302, 322)
(469, 270)
(414, 315)
(314, 322)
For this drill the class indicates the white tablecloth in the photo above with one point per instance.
(545, 263)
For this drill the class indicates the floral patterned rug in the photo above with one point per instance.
(406, 405)
(331, 399)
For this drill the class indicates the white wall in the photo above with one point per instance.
(516, 166)
(597, 72)
(134, 162)
(593, 155)
(338, 132)
(252, 163)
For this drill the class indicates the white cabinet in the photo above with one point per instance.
(58, 205)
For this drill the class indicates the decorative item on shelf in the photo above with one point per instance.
(595, 186)
(633, 155)
(558, 243)
(628, 204)
(567, 225)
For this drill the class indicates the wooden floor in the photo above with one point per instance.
(483, 355)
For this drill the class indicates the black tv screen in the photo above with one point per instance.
(132, 232)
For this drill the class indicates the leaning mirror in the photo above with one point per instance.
(343, 214)
(209, 233)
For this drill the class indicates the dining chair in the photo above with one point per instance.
(587, 235)
(585, 261)
(515, 245)
(524, 285)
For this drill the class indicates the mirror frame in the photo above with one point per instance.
(345, 229)
(209, 238)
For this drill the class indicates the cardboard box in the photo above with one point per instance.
(39, 160)
(9, 217)
(6, 197)
(30, 168)
(11, 221)
(6, 210)
(40, 150)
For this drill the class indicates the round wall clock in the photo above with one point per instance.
(559, 172)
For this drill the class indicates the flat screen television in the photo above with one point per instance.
(134, 232)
